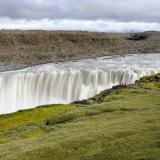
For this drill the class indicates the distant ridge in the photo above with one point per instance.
(20, 49)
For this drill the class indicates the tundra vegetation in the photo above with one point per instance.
(120, 123)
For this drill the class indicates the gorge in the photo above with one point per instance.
(63, 83)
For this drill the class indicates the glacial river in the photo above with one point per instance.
(70, 81)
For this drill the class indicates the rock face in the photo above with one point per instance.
(20, 49)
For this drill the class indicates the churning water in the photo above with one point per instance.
(70, 81)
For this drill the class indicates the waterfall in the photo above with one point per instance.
(70, 81)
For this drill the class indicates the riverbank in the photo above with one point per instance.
(124, 125)
(21, 49)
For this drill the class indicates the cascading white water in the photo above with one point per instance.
(70, 81)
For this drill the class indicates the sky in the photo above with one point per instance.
(88, 15)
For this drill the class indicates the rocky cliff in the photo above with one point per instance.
(20, 49)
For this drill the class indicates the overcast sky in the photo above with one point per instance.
(91, 15)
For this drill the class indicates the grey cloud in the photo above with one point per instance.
(86, 25)
(118, 10)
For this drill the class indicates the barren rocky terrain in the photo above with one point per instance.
(19, 49)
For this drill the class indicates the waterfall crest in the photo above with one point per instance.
(71, 81)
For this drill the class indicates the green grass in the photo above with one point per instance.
(126, 126)
(37, 115)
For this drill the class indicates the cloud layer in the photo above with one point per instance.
(85, 25)
(81, 14)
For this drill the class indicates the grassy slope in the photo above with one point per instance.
(125, 126)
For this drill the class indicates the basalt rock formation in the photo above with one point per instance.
(20, 49)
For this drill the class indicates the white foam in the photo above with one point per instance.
(70, 81)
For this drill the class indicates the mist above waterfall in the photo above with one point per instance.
(70, 81)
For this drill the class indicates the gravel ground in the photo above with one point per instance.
(20, 49)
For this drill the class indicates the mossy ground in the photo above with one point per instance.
(125, 126)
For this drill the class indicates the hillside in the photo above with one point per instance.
(125, 124)
(20, 49)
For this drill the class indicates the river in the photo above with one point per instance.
(63, 83)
